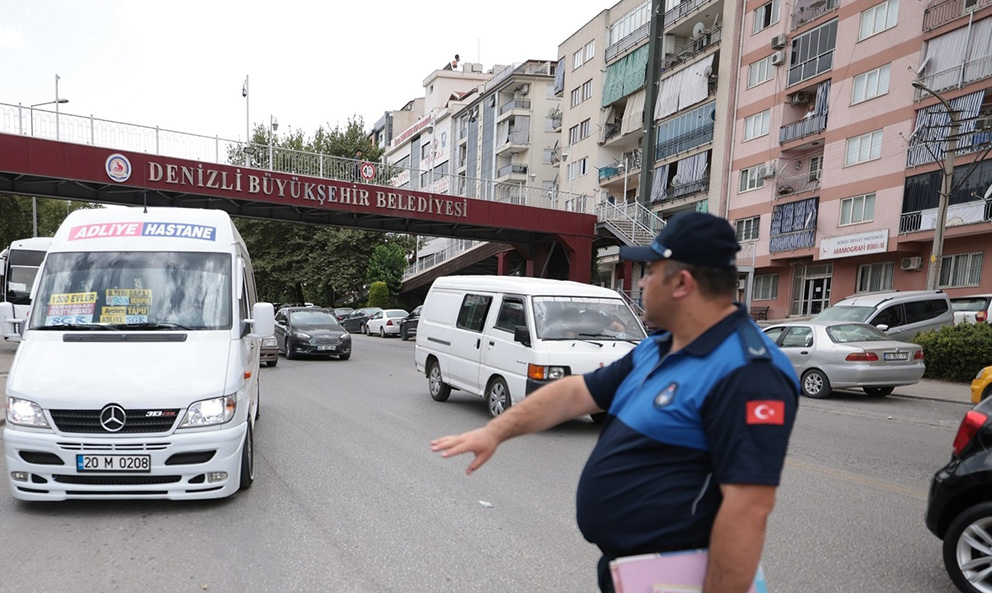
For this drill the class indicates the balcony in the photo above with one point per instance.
(688, 189)
(516, 141)
(945, 12)
(688, 141)
(810, 10)
(611, 130)
(521, 104)
(796, 184)
(511, 170)
(683, 10)
(693, 48)
(956, 77)
(973, 212)
(639, 34)
(556, 121)
(802, 128)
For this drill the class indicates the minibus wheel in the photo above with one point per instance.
(438, 388)
(248, 460)
(498, 396)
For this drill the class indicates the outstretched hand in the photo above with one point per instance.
(481, 442)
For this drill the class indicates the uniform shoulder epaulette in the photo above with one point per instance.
(753, 343)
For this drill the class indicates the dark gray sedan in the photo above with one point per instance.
(831, 355)
(309, 330)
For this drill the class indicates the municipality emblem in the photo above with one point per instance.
(666, 396)
(118, 167)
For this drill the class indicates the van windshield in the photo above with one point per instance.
(140, 290)
(22, 267)
(845, 313)
(580, 318)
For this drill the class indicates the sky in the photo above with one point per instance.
(181, 64)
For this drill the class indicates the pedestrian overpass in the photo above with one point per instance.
(65, 156)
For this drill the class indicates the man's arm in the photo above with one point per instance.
(738, 537)
(556, 402)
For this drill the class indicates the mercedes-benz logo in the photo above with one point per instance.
(112, 418)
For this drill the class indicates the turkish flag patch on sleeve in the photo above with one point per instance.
(766, 412)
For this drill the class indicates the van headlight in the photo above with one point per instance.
(543, 373)
(210, 411)
(25, 413)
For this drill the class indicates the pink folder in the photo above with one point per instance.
(674, 572)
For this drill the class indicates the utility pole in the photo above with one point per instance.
(656, 50)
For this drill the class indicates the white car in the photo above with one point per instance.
(385, 322)
(972, 309)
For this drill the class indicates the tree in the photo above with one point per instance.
(17, 217)
(378, 295)
(387, 265)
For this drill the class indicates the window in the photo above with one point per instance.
(587, 90)
(630, 22)
(917, 311)
(871, 84)
(812, 53)
(798, 337)
(425, 151)
(576, 96)
(765, 16)
(577, 168)
(878, 18)
(584, 55)
(760, 71)
(964, 269)
(511, 314)
(867, 147)
(584, 129)
(573, 134)
(747, 228)
(874, 277)
(752, 178)
(815, 168)
(473, 312)
(857, 209)
(577, 59)
(590, 50)
(765, 287)
(756, 125)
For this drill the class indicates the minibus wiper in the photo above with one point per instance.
(149, 325)
(76, 327)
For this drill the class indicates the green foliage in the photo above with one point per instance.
(956, 353)
(387, 265)
(17, 218)
(378, 295)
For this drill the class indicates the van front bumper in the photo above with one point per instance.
(181, 465)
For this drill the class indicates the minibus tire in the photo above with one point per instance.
(438, 388)
(247, 460)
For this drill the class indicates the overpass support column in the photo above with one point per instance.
(579, 251)
(537, 259)
(503, 263)
(628, 270)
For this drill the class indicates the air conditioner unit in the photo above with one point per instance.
(912, 263)
(742, 284)
(778, 58)
(779, 41)
(769, 172)
(799, 98)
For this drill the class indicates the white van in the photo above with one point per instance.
(137, 376)
(502, 337)
(18, 269)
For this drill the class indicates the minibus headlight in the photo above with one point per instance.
(210, 411)
(543, 373)
(25, 413)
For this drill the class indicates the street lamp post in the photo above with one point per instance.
(951, 145)
(273, 126)
(57, 102)
(625, 176)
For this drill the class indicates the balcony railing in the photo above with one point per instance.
(797, 184)
(611, 130)
(802, 128)
(687, 141)
(956, 77)
(957, 215)
(518, 137)
(693, 48)
(556, 122)
(689, 189)
(945, 12)
(512, 169)
(515, 104)
(808, 11)
(682, 10)
(632, 39)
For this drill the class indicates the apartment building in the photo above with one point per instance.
(837, 158)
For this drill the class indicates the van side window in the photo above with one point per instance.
(473, 312)
(245, 304)
(511, 314)
(890, 316)
(924, 310)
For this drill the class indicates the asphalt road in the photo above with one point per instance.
(349, 498)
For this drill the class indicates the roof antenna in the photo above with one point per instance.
(144, 197)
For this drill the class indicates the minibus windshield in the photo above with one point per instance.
(585, 318)
(134, 290)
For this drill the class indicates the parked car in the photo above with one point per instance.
(311, 330)
(981, 385)
(355, 322)
(385, 322)
(408, 325)
(972, 309)
(901, 315)
(959, 509)
(831, 355)
(343, 313)
(269, 354)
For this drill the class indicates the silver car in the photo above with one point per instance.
(834, 355)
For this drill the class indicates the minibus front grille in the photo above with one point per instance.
(115, 480)
(135, 421)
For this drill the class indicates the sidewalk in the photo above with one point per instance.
(925, 389)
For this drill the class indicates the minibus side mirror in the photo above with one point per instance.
(521, 334)
(262, 320)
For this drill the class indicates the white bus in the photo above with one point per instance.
(18, 268)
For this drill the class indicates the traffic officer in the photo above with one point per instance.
(698, 417)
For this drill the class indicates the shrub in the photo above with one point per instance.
(956, 353)
(378, 295)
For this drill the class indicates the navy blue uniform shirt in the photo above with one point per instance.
(678, 425)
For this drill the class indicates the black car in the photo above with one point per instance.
(959, 507)
(408, 325)
(355, 322)
(342, 313)
(311, 330)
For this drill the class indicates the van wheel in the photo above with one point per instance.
(290, 355)
(965, 554)
(498, 397)
(438, 388)
(815, 384)
(878, 391)
(248, 460)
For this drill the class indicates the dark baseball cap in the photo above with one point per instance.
(696, 238)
